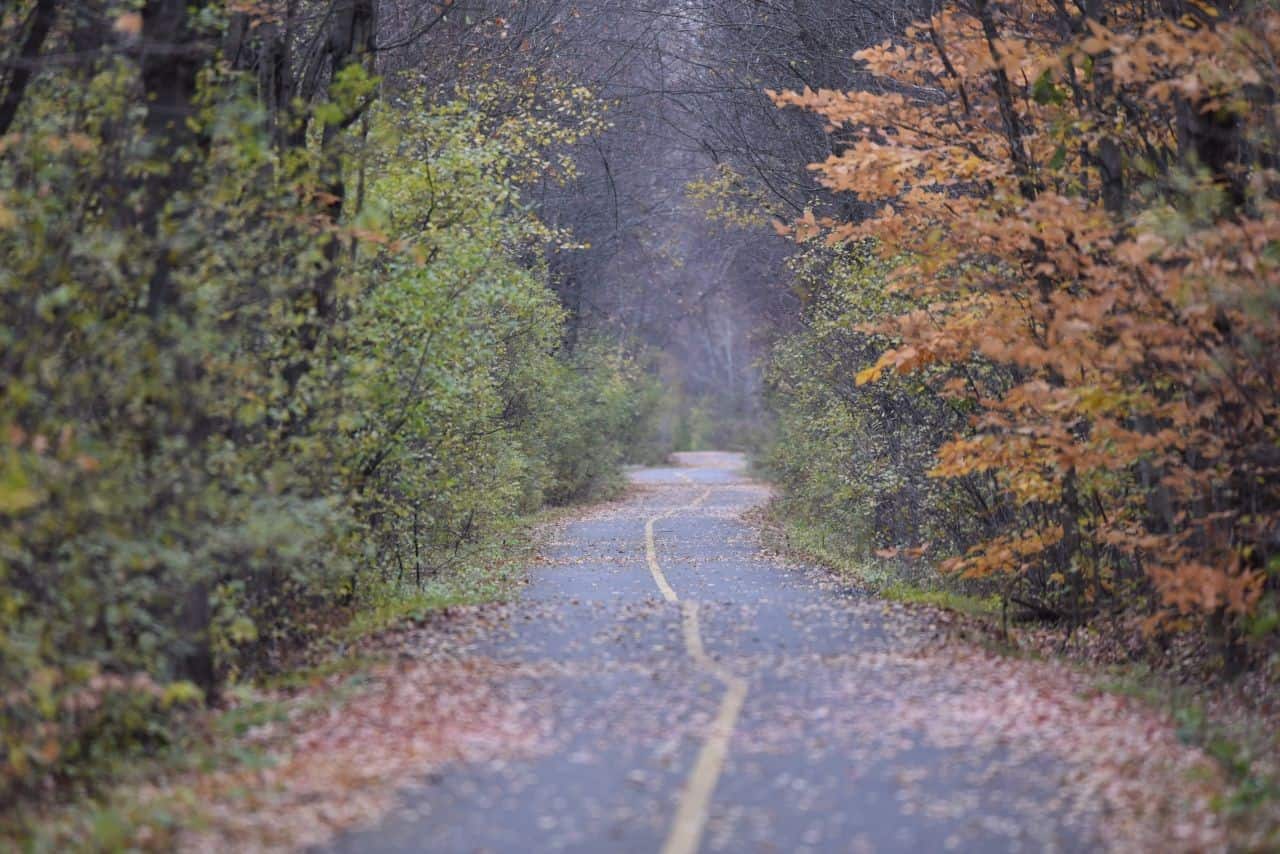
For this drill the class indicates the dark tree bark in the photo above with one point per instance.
(43, 17)
(172, 55)
(1012, 121)
(262, 48)
(351, 42)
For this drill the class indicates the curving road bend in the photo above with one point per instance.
(699, 694)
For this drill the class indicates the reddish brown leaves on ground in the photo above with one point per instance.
(342, 766)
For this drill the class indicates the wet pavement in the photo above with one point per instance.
(700, 694)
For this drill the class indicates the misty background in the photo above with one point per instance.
(672, 203)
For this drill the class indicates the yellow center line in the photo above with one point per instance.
(655, 569)
(651, 546)
(693, 808)
(693, 634)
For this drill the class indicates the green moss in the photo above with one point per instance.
(978, 606)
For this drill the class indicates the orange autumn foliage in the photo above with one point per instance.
(1091, 209)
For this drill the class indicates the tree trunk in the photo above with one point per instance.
(42, 19)
(351, 42)
(172, 55)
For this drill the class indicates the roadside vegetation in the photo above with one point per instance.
(275, 362)
(234, 774)
(1041, 369)
(1048, 361)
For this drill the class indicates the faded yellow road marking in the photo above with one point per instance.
(685, 836)
(692, 810)
(693, 633)
(655, 569)
(651, 546)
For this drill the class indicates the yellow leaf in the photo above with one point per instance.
(868, 375)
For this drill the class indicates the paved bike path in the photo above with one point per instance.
(700, 694)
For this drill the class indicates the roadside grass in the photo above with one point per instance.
(491, 570)
(912, 584)
(951, 600)
(1237, 724)
(142, 800)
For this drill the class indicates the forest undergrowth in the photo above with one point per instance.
(1037, 377)
(280, 363)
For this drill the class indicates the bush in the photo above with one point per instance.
(224, 425)
(855, 460)
(602, 413)
(1081, 221)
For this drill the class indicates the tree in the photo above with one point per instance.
(1085, 199)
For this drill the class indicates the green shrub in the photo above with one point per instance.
(600, 415)
(192, 487)
(853, 461)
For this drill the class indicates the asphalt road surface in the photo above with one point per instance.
(701, 695)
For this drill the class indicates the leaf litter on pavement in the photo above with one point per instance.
(1115, 766)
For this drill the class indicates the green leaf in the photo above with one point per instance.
(1059, 158)
(1044, 91)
